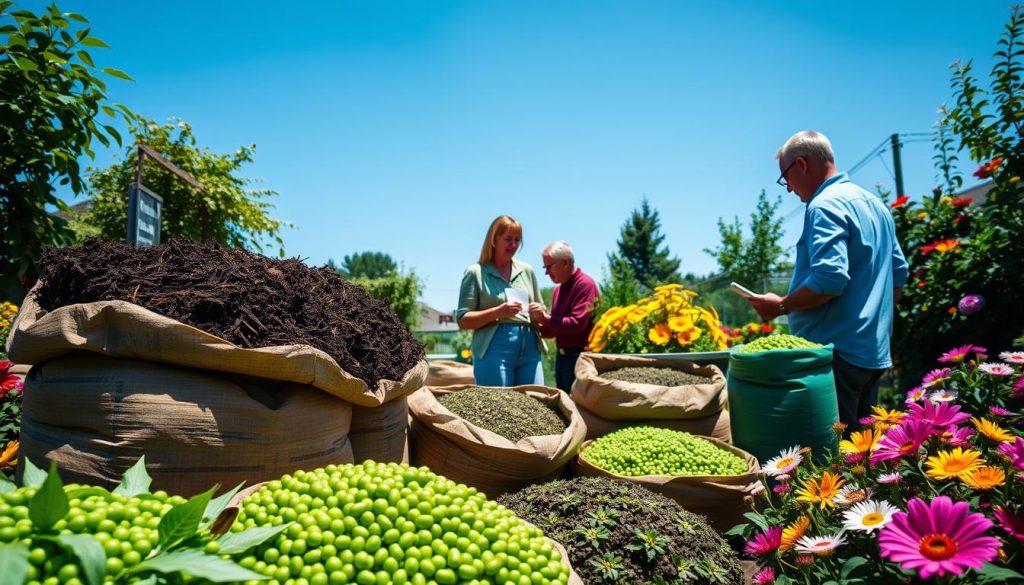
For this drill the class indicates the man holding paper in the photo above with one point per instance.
(848, 274)
(493, 302)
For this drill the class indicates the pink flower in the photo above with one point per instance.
(1014, 452)
(941, 414)
(1013, 523)
(901, 441)
(957, 354)
(971, 304)
(765, 543)
(853, 458)
(804, 560)
(935, 376)
(765, 576)
(867, 421)
(996, 369)
(782, 488)
(1012, 357)
(999, 411)
(956, 436)
(889, 478)
(5, 366)
(938, 539)
(1018, 388)
(916, 394)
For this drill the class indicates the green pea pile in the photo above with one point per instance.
(640, 450)
(375, 524)
(773, 342)
(125, 526)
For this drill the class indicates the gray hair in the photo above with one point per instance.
(807, 143)
(560, 251)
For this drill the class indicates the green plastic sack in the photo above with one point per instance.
(783, 398)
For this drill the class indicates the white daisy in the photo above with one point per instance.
(1012, 357)
(820, 545)
(889, 478)
(868, 516)
(996, 369)
(943, 396)
(785, 463)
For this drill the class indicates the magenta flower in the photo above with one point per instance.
(938, 538)
(971, 304)
(1011, 522)
(782, 488)
(1018, 388)
(957, 354)
(765, 576)
(867, 421)
(901, 441)
(935, 376)
(956, 436)
(916, 394)
(765, 543)
(941, 414)
(999, 411)
(1014, 452)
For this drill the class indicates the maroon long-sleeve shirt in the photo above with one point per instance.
(571, 320)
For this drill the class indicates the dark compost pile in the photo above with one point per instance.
(245, 298)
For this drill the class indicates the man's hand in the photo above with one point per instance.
(538, 314)
(766, 305)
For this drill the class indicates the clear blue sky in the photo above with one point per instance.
(407, 126)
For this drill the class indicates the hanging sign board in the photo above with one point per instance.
(144, 211)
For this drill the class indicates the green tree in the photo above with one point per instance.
(750, 261)
(368, 264)
(619, 287)
(51, 101)
(227, 210)
(400, 291)
(640, 246)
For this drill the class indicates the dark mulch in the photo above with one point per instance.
(242, 297)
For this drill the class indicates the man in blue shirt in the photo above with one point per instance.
(848, 274)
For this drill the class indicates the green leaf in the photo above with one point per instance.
(757, 519)
(50, 503)
(84, 492)
(6, 486)
(25, 64)
(77, 17)
(86, 58)
(33, 477)
(182, 521)
(783, 580)
(850, 566)
(94, 42)
(239, 542)
(990, 573)
(135, 480)
(117, 73)
(217, 505)
(195, 563)
(90, 555)
(13, 564)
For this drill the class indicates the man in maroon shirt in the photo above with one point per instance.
(569, 321)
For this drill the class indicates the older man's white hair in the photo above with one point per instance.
(560, 251)
(808, 143)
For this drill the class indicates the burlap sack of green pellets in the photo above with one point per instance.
(717, 497)
(461, 451)
(611, 404)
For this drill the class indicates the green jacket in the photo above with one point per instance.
(483, 287)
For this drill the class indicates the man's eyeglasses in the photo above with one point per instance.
(548, 266)
(782, 182)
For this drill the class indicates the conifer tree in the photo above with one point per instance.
(640, 246)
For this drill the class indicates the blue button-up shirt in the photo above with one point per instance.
(848, 250)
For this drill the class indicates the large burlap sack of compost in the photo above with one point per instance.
(718, 497)
(381, 433)
(714, 425)
(783, 398)
(463, 452)
(449, 373)
(608, 404)
(95, 416)
(125, 330)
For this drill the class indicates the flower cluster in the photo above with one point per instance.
(935, 489)
(666, 321)
(747, 333)
(10, 417)
(7, 312)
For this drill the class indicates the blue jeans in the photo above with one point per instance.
(511, 360)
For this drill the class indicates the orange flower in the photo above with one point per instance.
(9, 458)
(659, 334)
(822, 492)
(988, 169)
(794, 532)
(689, 336)
(946, 245)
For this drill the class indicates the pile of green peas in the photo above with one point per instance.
(642, 450)
(773, 342)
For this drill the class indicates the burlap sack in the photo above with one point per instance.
(381, 433)
(618, 400)
(718, 497)
(95, 416)
(121, 329)
(449, 373)
(714, 425)
(465, 453)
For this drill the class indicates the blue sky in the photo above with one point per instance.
(407, 126)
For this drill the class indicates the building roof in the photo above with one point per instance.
(434, 321)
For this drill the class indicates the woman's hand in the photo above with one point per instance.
(510, 309)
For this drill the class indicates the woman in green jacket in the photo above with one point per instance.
(493, 301)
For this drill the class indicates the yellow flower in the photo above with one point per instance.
(793, 532)
(861, 442)
(659, 334)
(922, 215)
(886, 418)
(984, 478)
(1014, 179)
(466, 353)
(823, 491)
(9, 458)
(679, 323)
(689, 336)
(992, 430)
(955, 463)
(667, 288)
(637, 315)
